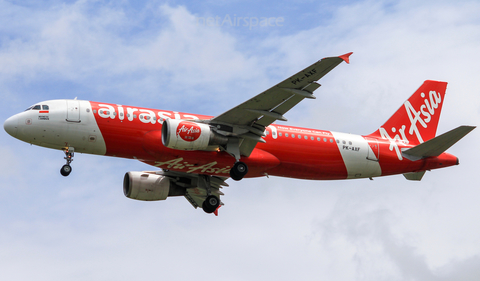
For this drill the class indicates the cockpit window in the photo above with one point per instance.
(38, 107)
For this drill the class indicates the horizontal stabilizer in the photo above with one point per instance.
(437, 145)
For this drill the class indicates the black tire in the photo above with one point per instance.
(238, 171)
(66, 170)
(234, 176)
(210, 204)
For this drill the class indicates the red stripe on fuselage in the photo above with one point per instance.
(134, 132)
(305, 153)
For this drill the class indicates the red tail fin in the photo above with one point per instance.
(416, 120)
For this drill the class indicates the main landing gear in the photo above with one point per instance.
(211, 204)
(238, 171)
(67, 169)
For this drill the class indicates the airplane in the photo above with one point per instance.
(195, 154)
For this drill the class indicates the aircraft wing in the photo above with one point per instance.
(248, 120)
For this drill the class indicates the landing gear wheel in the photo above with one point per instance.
(66, 170)
(211, 204)
(238, 171)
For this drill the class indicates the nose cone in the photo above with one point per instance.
(11, 126)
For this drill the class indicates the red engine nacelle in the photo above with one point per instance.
(187, 135)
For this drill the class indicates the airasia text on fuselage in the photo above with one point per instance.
(144, 115)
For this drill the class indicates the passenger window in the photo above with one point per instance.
(45, 107)
(36, 107)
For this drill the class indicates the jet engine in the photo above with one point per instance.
(187, 135)
(149, 187)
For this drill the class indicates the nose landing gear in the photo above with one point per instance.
(67, 169)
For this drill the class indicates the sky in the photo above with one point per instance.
(169, 55)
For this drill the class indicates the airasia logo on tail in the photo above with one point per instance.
(188, 131)
(427, 109)
(422, 116)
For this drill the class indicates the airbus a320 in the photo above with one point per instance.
(195, 154)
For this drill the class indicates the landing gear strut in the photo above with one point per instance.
(212, 202)
(67, 169)
(238, 171)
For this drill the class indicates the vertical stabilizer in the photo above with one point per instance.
(417, 119)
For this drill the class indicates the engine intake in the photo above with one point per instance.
(187, 135)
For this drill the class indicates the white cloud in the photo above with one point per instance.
(395, 50)
(177, 54)
(389, 229)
